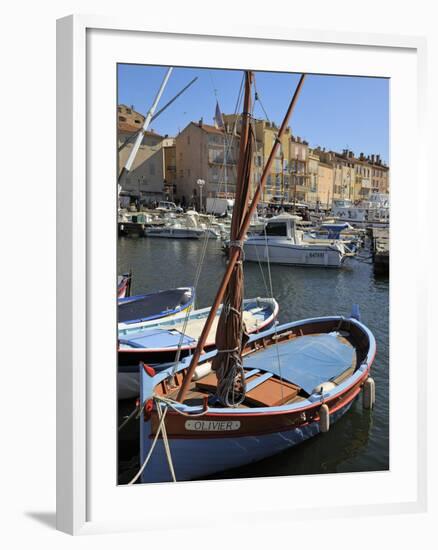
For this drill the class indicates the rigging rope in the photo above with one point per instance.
(154, 442)
(168, 404)
(166, 443)
(257, 98)
(272, 297)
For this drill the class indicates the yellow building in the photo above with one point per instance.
(298, 173)
(325, 183)
(379, 175)
(345, 175)
(169, 167)
(279, 179)
(312, 195)
(298, 169)
(363, 182)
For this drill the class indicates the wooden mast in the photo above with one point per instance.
(231, 333)
(236, 250)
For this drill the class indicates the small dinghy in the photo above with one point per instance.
(135, 312)
(161, 343)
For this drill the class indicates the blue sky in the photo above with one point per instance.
(336, 112)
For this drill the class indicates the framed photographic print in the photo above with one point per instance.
(232, 306)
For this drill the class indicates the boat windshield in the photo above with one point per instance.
(275, 230)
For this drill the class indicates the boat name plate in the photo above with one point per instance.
(212, 425)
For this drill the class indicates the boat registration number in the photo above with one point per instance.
(212, 425)
(316, 254)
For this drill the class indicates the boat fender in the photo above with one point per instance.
(324, 418)
(148, 369)
(324, 387)
(369, 393)
(201, 371)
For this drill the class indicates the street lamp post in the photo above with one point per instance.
(201, 184)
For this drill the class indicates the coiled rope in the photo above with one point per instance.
(227, 377)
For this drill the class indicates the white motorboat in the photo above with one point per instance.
(281, 242)
(352, 237)
(184, 227)
(374, 211)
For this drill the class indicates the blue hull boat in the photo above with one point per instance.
(159, 343)
(135, 312)
(301, 378)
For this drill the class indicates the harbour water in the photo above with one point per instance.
(360, 440)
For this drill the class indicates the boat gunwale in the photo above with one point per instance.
(361, 373)
(273, 315)
(130, 325)
(274, 429)
(308, 245)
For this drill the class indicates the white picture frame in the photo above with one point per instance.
(88, 499)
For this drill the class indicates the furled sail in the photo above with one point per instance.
(231, 335)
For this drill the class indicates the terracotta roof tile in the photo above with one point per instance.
(131, 129)
(209, 129)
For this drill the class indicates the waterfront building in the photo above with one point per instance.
(144, 183)
(379, 175)
(299, 171)
(345, 176)
(313, 192)
(169, 168)
(279, 181)
(172, 167)
(325, 183)
(363, 184)
(207, 154)
(129, 116)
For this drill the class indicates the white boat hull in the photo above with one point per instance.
(291, 254)
(175, 233)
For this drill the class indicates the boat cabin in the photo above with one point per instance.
(284, 226)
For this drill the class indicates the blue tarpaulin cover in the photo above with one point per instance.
(306, 361)
(152, 306)
(155, 338)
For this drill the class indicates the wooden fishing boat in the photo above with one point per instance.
(135, 312)
(258, 395)
(324, 364)
(159, 341)
(167, 340)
